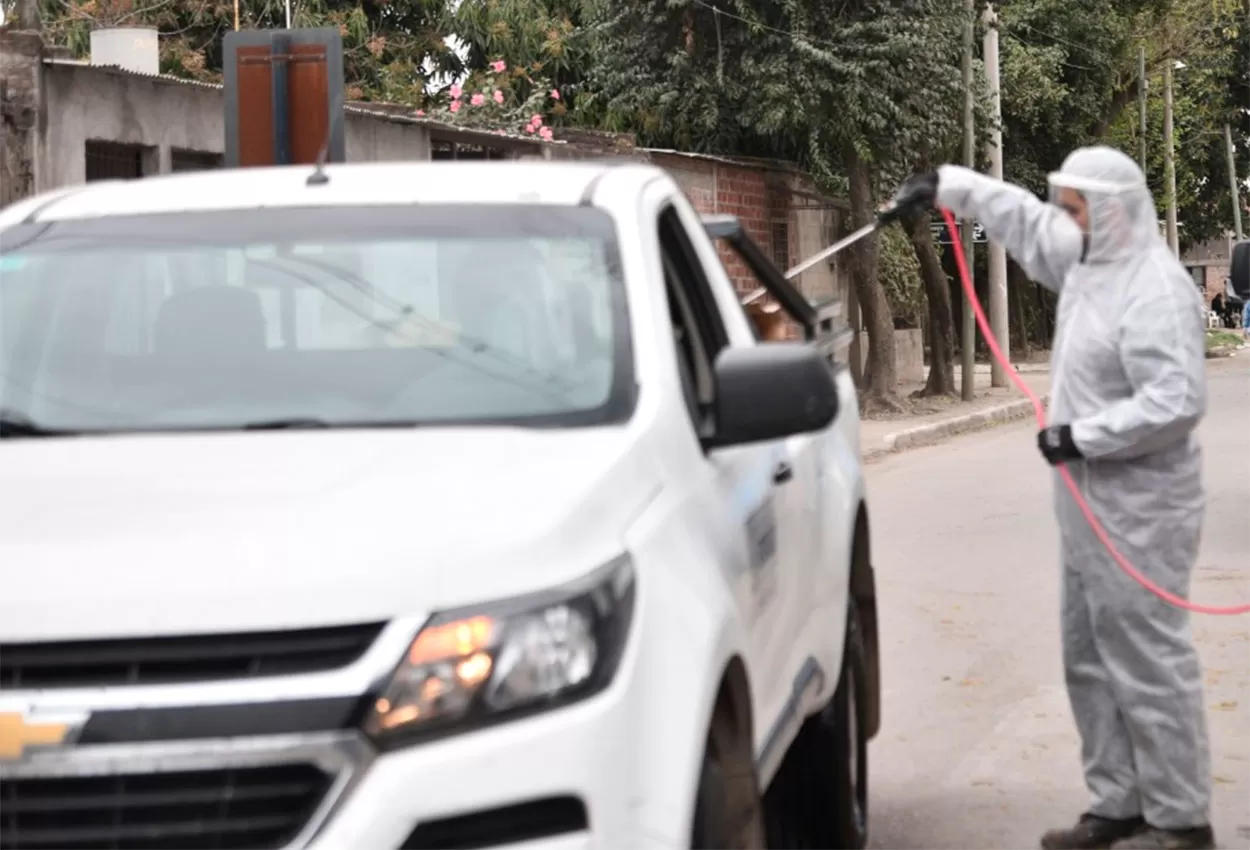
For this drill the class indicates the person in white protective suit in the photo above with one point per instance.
(1128, 389)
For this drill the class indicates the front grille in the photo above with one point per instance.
(244, 808)
(531, 821)
(181, 659)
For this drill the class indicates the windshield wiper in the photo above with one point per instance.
(293, 423)
(14, 424)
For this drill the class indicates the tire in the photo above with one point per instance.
(1239, 269)
(846, 718)
(728, 812)
(819, 798)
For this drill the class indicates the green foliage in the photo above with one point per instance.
(498, 99)
(553, 38)
(798, 79)
(899, 273)
(389, 46)
(1069, 76)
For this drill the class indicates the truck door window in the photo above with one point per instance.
(699, 333)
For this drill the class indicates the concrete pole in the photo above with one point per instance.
(1169, 152)
(999, 314)
(1233, 186)
(1141, 104)
(26, 13)
(969, 335)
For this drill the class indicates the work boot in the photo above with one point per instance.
(1092, 833)
(1150, 838)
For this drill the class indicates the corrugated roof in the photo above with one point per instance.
(117, 69)
(736, 161)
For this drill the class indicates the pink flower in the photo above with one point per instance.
(499, 66)
(456, 91)
(455, 106)
(545, 132)
(536, 121)
(529, 128)
(420, 113)
(498, 95)
(476, 100)
(555, 94)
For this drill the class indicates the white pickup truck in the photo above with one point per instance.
(420, 506)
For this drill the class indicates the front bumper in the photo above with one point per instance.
(199, 754)
(564, 778)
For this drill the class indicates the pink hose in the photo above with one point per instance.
(1040, 410)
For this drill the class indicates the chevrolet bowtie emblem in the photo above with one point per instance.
(17, 732)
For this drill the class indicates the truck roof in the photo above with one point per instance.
(364, 184)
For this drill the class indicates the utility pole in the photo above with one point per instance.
(27, 14)
(999, 315)
(1232, 182)
(1169, 162)
(1141, 104)
(969, 337)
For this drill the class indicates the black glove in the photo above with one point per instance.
(917, 193)
(1056, 445)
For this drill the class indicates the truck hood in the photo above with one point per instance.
(179, 534)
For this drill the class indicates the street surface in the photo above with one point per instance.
(977, 749)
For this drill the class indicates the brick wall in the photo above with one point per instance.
(1208, 263)
(1216, 276)
(717, 187)
(744, 194)
(764, 199)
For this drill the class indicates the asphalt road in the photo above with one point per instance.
(977, 748)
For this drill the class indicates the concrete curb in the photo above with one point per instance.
(937, 432)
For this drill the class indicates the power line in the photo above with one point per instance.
(1010, 30)
(792, 34)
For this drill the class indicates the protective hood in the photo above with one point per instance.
(1122, 215)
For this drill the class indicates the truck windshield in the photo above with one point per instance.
(325, 317)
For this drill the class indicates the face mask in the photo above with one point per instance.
(1069, 239)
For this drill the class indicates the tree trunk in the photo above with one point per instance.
(1016, 285)
(1043, 314)
(941, 380)
(881, 370)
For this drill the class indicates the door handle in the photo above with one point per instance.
(783, 473)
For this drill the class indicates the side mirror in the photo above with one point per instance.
(767, 392)
(1239, 270)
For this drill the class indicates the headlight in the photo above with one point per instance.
(476, 666)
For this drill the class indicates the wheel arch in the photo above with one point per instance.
(863, 591)
(733, 697)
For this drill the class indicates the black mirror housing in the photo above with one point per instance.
(768, 392)
(1239, 270)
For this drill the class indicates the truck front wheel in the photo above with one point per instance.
(728, 811)
(819, 797)
(844, 718)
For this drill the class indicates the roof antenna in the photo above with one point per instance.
(319, 176)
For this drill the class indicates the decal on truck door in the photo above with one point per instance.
(761, 530)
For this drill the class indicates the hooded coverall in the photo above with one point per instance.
(1128, 376)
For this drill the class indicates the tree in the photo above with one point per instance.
(850, 89)
(390, 47)
(1211, 88)
(500, 99)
